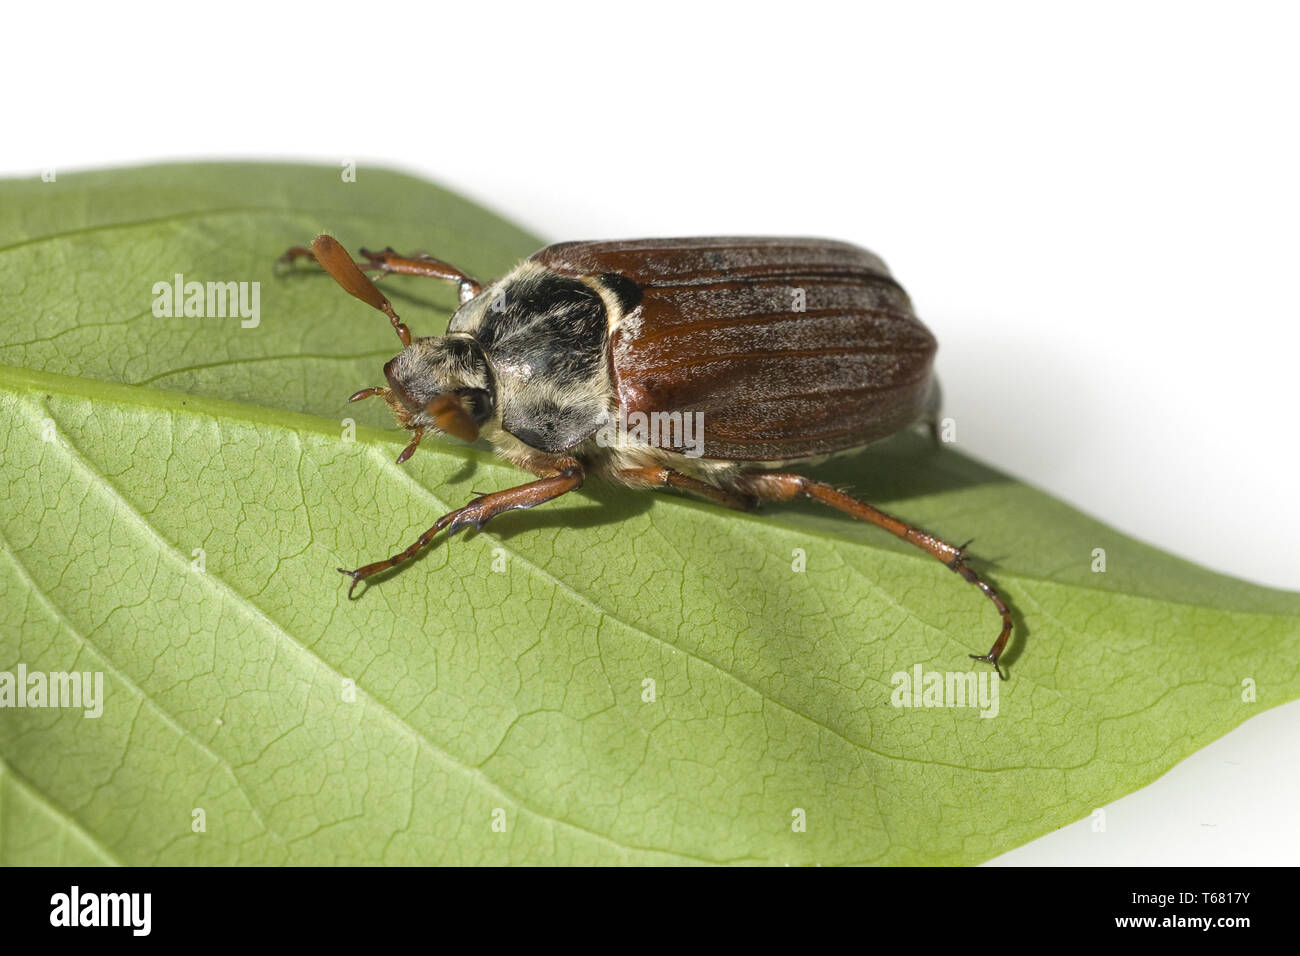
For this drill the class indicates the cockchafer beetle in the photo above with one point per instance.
(791, 350)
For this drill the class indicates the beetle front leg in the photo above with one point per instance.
(389, 262)
(479, 512)
(786, 487)
(422, 265)
(284, 264)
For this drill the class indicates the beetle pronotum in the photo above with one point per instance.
(792, 349)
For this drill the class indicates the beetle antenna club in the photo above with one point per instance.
(335, 260)
(539, 361)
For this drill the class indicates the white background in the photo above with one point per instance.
(1095, 209)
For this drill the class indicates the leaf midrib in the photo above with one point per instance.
(20, 378)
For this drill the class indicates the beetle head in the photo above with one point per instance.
(441, 383)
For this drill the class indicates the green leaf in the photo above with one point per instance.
(503, 675)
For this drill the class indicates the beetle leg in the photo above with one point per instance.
(479, 512)
(388, 261)
(294, 253)
(660, 476)
(933, 412)
(421, 265)
(786, 487)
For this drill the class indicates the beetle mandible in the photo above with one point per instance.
(790, 349)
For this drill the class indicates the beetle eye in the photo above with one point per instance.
(450, 416)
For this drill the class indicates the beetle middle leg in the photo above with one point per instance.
(661, 476)
(787, 487)
(567, 477)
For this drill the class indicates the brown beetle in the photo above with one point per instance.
(707, 365)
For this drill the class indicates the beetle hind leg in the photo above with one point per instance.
(932, 418)
(787, 487)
